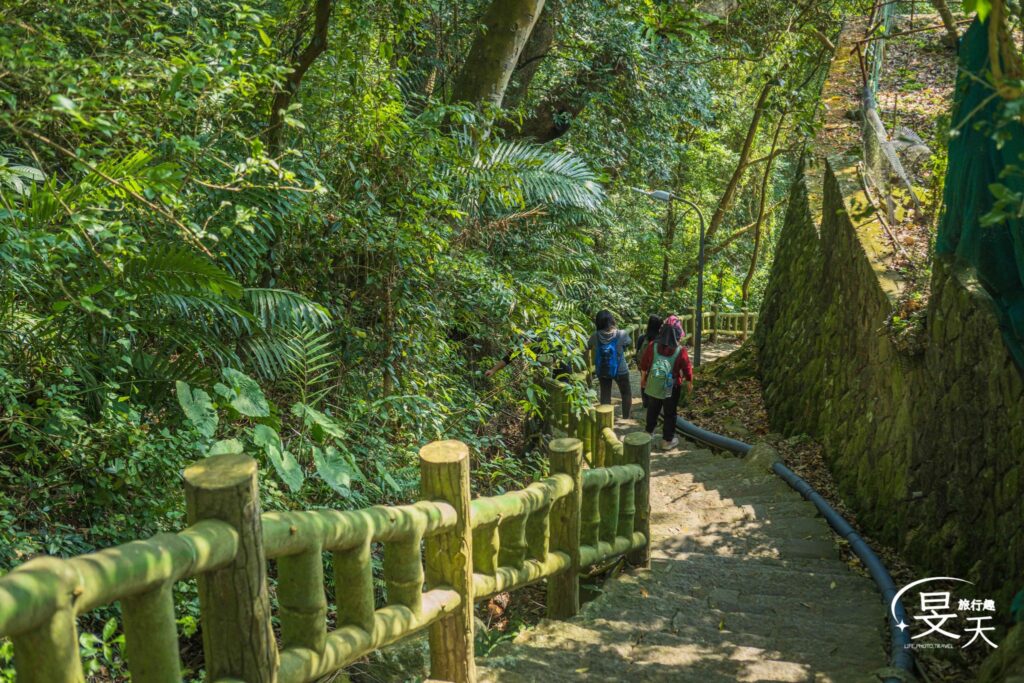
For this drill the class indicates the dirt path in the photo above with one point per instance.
(746, 584)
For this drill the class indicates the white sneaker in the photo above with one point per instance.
(669, 445)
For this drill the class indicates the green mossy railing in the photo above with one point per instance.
(740, 324)
(441, 555)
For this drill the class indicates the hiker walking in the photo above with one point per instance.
(649, 335)
(609, 345)
(663, 367)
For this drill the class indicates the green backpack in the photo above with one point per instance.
(660, 379)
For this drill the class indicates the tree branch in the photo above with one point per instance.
(300, 65)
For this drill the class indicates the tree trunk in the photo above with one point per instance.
(300, 65)
(274, 134)
(952, 38)
(748, 144)
(537, 47)
(496, 50)
(744, 161)
(760, 212)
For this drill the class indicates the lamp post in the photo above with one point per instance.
(698, 327)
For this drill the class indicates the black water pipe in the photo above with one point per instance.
(899, 639)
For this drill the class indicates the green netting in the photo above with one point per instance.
(976, 162)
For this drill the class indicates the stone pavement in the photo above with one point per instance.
(746, 584)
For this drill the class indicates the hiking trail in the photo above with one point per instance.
(746, 584)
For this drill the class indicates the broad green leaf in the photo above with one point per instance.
(198, 408)
(109, 628)
(312, 417)
(288, 469)
(225, 446)
(334, 469)
(246, 396)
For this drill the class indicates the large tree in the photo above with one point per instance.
(505, 29)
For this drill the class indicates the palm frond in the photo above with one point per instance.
(518, 174)
(174, 270)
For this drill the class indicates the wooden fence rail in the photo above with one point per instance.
(440, 556)
(740, 324)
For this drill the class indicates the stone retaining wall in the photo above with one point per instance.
(927, 448)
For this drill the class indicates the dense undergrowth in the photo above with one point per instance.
(273, 228)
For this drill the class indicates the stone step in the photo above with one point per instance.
(774, 511)
(742, 521)
(676, 594)
(847, 660)
(699, 497)
(769, 579)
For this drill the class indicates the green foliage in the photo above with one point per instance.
(328, 304)
(103, 654)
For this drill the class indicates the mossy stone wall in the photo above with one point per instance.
(927, 448)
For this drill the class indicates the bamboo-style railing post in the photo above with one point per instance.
(354, 597)
(512, 545)
(444, 475)
(627, 509)
(746, 324)
(609, 507)
(566, 457)
(403, 572)
(538, 533)
(49, 652)
(693, 321)
(593, 435)
(234, 603)
(714, 323)
(590, 517)
(637, 451)
(583, 432)
(151, 636)
(485, 548)
(302, 602)
(605, 418)
(557, 398)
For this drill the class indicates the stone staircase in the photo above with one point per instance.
(746, 584)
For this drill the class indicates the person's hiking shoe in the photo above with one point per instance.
(669, 445)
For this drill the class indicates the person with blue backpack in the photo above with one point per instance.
(609, 345)
(664, 365)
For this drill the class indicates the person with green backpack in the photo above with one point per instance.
(664, 365)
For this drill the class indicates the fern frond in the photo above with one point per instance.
(306, 360)
(282, 308)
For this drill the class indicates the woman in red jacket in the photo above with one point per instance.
(663, 367)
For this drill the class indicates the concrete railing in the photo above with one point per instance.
(440, 556)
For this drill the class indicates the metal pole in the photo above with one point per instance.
(667, 243)
(699, 327)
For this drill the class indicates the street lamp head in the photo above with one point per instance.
(660, 195)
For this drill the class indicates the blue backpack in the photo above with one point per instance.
(606, 358)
